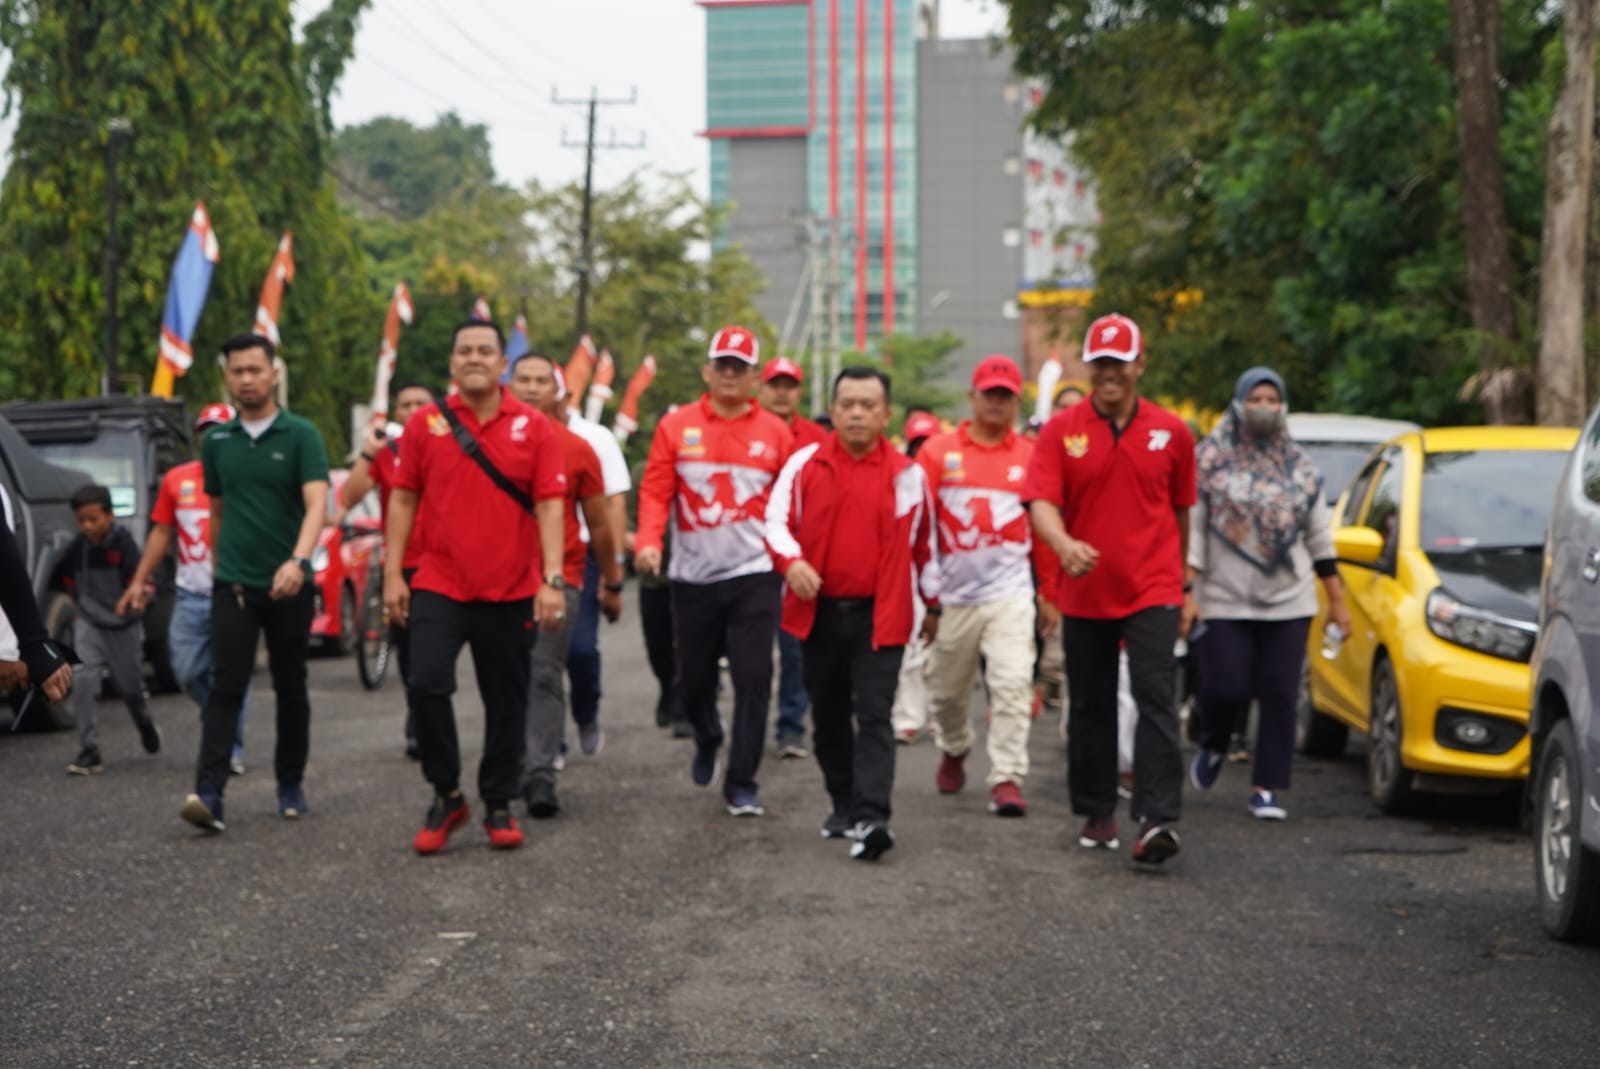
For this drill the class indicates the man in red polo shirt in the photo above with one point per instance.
(850, 526)
(534, 383)
(710, 470)
(376, 465)
(780, 394)
(986, 557)
(1110, 486)
(478, 582)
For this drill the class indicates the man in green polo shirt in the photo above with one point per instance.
(267, 475)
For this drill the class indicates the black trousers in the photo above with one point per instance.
(400, 643)
(1260, 659)
(1091, 648)
(738, 617)
(655, 616)
(240, 615)
(852, 690)
(500, 635)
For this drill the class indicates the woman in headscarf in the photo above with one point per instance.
(1260, 537)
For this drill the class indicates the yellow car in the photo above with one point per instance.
(1440, 541)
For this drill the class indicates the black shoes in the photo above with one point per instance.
(541, 799)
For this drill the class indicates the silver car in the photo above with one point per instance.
(1340, 444)
(1564, 788)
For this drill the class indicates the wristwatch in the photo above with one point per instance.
(555, 582)
(614, 588)
(304, 562)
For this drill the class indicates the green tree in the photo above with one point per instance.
(408, 171)
(225, 106)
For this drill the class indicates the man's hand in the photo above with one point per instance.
(288, 580)
(803, 580)
(13, 676)
(58, 684)
(647, 561)
(930, 629)
(611, 604)
(1049, 617)
(1079, 558)
(397, 599)
(133, 599)
(375, 439)
(550, 608)
(1191, 613)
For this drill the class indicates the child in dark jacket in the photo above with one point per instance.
(95, 570)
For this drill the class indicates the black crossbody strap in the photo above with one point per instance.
(469, 445)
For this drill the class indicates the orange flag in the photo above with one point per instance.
(279, 274)
(628, 415)
(580, 367)
(399, 312)
(600, 388)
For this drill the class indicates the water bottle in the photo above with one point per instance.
(1332, 639)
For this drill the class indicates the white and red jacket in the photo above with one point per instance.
(986, 542)
(710, 478)
(800, 526)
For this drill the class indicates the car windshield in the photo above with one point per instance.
(1490, 499)
(1338, 462)
(108, 461)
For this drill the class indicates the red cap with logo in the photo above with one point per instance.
(922, 425)
(211, 415)
(997, 372)
(780, 367)
(735, 343)
(1114, 336)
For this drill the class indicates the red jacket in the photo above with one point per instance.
(800, 526)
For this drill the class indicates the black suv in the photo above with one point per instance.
(125, 444)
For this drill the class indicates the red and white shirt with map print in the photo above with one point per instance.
(710, 478)
(182, 504)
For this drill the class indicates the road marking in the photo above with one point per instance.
(425, 963)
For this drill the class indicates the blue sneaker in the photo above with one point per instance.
(742, 802)
(203, 809)
(1205, 768)
(1264, 806)
(704, 768)
(591, 739)
(292, 801)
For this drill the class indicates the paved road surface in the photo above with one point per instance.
(645, 928)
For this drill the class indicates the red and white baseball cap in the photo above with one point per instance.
(1115, 336)
(922, 425)
(997, 372)
(737, 343)
(212, 415)
(780, 367)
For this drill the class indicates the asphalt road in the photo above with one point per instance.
(643, 927)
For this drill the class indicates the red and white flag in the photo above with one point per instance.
(399, 312)
(279, 275)
(580, 369)
(1049, 377)
(481, 310)
(600, 389)
(628, 415)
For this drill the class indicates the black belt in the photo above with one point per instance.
(844, 604)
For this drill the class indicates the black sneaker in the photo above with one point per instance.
(149, 734)
(87, 763)
(541, 799)
(1157, 842)
(837, 826)
(872, 841)
(682, 729)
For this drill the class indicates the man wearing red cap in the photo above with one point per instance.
(986, 549)
(183, 509)
(780, 395)
(709, 473)
(1110, 487)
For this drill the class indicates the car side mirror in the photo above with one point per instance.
(1358, 545)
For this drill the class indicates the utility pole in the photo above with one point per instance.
(118, 131)
(584, 266)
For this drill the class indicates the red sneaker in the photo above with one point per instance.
(1038, 704)
(952, 774)
(1099, 833)
(444, 817)
(1157, 842)
(503, 831)
(1005, 800)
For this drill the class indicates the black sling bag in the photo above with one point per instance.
(469, 445)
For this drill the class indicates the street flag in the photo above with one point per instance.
(628, 415)
(186, 297)
(600, 389)
(516, 346)
(1049, 378)
(280, 274)
(580, 368)
(481, 310)
(399, 312)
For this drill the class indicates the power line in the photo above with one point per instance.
(476, 75)
(371, 57)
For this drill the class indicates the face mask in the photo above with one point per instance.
(1263, 421)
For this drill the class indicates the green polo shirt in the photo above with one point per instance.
(260, 481)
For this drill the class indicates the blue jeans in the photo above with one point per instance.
(792, 697)
(583, 657)
(189, 640)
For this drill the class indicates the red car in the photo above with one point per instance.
(341, 566)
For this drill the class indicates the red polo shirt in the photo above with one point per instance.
(806, 431)
(582, 465)
(383, 468)
(1117, 491)
(856, 539)
(482, 545)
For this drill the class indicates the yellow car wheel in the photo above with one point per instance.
(1388, 780)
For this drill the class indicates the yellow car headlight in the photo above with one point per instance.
(1479, 629)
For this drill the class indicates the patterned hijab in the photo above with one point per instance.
(1258, 492)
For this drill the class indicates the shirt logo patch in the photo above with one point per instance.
(1014, 473)
(952, 466)
(277, 456)
(758, 449)
(186, 490)
(438, 425)
(1159, 440)
(1077, 445)
(692, 443)
(519, 429)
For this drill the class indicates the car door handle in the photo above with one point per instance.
(1591, 566)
